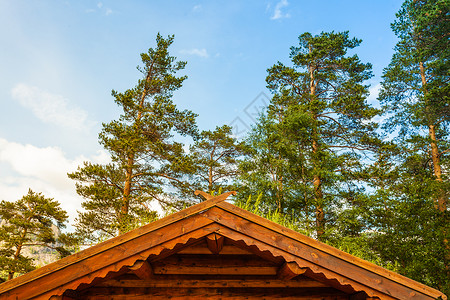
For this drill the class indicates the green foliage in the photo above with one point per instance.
(421, 27)
(308, 149)
(215, 157)
(100, 218)
(253, 205)
(410, 206)
(408, 229)
(355, 245)
(146, 160)
(28, 222)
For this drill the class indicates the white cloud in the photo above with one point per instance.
(43, 170)
(197, 8)
(100, 8)
(278, 14)
(50, 108)
(373, 95)
(199, 52)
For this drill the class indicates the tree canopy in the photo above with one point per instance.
(309, 146)
(27, 222)
(145, 157)
(415, 97)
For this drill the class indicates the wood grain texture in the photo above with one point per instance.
(290, 270)
(142, 269)
(215, 243)
(217, 293)
(213, 283)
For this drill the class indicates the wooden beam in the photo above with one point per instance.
(63, 297)
(214, 265)
(213, 297)
(202, 270)
(142, 269)
(203, 249)
(209, 196)
(215, 243)
(217, 293)
(290, 270)
(212, 283)
(361, 296)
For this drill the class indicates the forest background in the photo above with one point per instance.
(367, 176)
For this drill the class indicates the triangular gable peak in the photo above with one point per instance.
(213, 250)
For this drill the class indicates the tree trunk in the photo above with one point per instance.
(280, 195)
(129, 168)
(317, 182)
(126, 195)
(318, 199)
(441, 203)
(210, 171)
(17, 253)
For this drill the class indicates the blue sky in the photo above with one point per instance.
(59, 61)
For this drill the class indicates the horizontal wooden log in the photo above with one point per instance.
(213, 297)
(215, 264)
(226, 250)
(360, 296)
(218, 270)
(217, 293)
(208, 283)
(62, 298)
(214, 260)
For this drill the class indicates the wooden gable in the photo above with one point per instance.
(213, 250)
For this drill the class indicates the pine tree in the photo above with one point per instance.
(28, 222)
(408, 230)
(215, 156)
(316, 130)
(145, 158)
(415, 96)
(415, 89)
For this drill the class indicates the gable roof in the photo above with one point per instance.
(287, 253)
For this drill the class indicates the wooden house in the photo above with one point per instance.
(213, 250)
